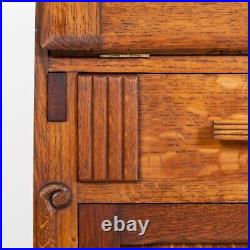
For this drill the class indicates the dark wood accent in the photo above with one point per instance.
(90, 219)
(187, 224)
(56, 97)
(190, 223)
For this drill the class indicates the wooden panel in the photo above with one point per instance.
(189, 245)
(108, 123)
(199, 223)
(85, 127)
(115, 126)
(165, 192)
(56, 97)
(91, 234)
(70, 25)
(231, 130)
(154, 64)
(182, 225)
(176, 114)
(163, 28)
(55, 161)
(130, 104)
(177, 145)
(99, 128)
(174, 27)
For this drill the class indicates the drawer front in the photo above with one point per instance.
(191, 144)
(155, 28)
(224, 225)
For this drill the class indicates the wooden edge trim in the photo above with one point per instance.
(154, 64)
(163, 192)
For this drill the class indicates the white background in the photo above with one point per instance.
(18, 94)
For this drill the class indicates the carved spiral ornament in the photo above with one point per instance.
(53, 197)
(57, 195)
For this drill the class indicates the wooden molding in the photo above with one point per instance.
(212, 28)
(154, 64)
(71, 26)
(231, 130)
(53, 196)
(108, 128)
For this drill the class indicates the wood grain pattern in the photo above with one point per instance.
(54, 196)
(176, 114)
(231, 130)
(163, 28)
(199, 223)
(108, 128)
(85, 128)
(154, 64)
(70, 25)
(212, 191)
(189, 245)
(174, 27)
(115, 126)
(170, 225)
(56, 97)
(130, 104)
(90, 218)
(54, 154)
(100, 128)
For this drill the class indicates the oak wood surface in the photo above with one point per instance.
(162, 27)
(178, 224)
(70, 25)
(99, 128)
(107, 128)
(154, 64)
(141, 134)
(54, 160)
(177, 145)
(199, 223)
(230, 191)
(189, 245)
(176, 114)
(91, 234)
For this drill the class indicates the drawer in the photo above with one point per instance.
(181, 136)
(155, 28)
(169, 226)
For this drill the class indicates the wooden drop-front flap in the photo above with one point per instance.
(155, 28)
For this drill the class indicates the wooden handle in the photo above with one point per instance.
(231, 130)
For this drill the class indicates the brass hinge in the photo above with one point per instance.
(125, 56)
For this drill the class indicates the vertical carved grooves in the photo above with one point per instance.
(53, 196)
(108, 128)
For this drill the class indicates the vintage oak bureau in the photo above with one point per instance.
(141, 112)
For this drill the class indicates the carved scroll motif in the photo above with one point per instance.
(53, 196)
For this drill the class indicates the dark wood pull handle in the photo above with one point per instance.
(230, 130)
